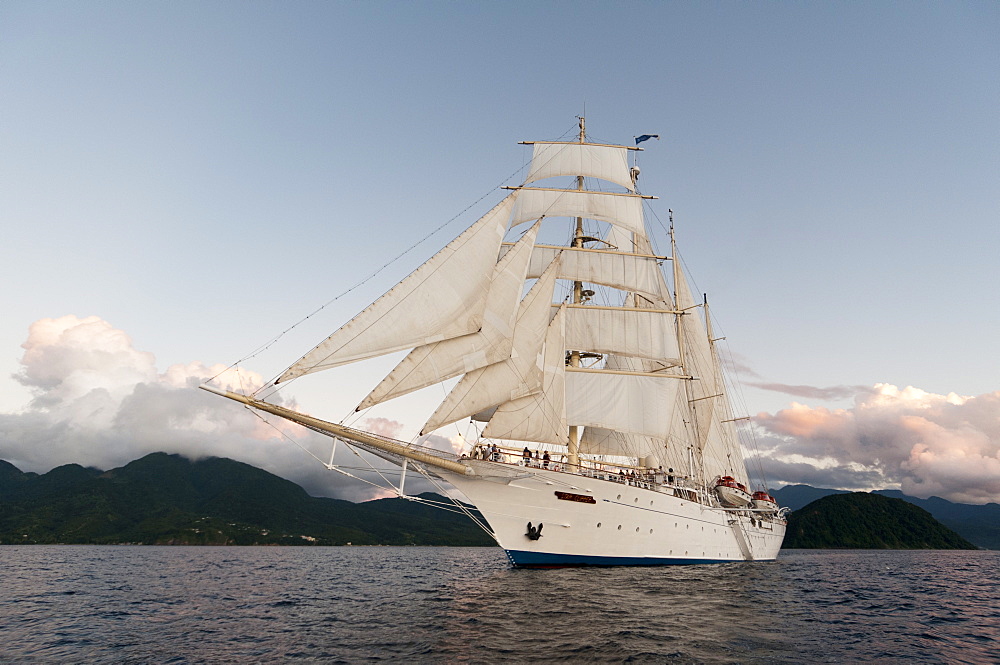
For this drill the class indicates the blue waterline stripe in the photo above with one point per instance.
(528, 559)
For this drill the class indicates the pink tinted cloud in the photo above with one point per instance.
(383, 427)
(928, 444)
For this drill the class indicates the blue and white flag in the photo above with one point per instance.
(646, 137)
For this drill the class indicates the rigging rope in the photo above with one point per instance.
(260, 349)
(388, 484)
(266, 346)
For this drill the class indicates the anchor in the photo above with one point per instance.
(534, 533)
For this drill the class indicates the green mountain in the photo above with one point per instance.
(860, 520)
(797, 496)
(979, 524)
(168, 499)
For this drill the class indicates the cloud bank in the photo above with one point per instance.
(98, 401)
(926, 444)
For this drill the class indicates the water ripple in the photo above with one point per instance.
(349, 605)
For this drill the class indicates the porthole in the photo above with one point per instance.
(651, 531)
(619, 527)
(687, 526)
(637, 529)
(651, 503)
(598, 525)
(619, 496)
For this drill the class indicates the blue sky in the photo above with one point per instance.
(202, 175)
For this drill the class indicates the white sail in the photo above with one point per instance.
(540, 417)
(721, 455)
(580, 159)
(443, 298)
(623, 240)
(625, 210)
(629, 331)
(620, 270)
(433, 363)
(717, 448)
(631, 403)
(518, 376)
(600, 441)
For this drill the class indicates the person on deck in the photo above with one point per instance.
(527, 456)
(545, 459)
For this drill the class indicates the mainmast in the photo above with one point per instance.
(574, 358)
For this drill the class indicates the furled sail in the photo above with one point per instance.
(443, 298)
(606, 162)
(436, 362)
(518, 376)
(625, 210)
(540, 417)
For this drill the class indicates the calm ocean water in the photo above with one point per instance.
(458, 605)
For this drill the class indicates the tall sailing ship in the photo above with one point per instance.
(607, 437)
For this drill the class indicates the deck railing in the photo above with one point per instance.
(656, 480)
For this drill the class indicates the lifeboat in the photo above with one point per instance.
(764, 501)
(731, 494)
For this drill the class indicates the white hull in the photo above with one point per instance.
(625, 524)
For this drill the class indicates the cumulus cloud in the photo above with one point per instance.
(98, 401)
(927, 444)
